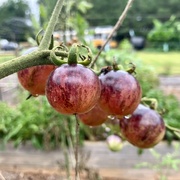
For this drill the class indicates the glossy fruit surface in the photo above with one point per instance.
(95, 117)
(34, 79)
(73, 89)
(144, 129)
(120, 94)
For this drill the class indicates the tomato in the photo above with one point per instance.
(121, 93)
(73, 89)
(95, 117)
(34, 79)
(144, 128)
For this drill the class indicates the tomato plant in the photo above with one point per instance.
(73, 88)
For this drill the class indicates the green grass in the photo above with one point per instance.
(4, 58)
(164, 63)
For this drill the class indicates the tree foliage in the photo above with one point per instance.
(13, 20)
(166, 31)
(139, 18)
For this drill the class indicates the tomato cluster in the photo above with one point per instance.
(74, 89)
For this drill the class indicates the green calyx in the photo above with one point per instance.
(39, 37)
(76, 55)
(132, 69)
(62, 52)
(85, 60)
(151, 102)
(73, 54)
(62, 55)
(116, 66)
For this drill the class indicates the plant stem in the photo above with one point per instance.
(38, 57)
(174, 130)
(65, 150)
(25, 61)
(115, 28)
(77, 149)
(44, 44)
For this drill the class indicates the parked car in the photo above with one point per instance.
(138, 42)
(8, 46)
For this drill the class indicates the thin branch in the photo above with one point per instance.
(117, 26)
(172, 128)
(77, 150)
(44, 44)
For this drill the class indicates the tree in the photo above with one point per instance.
(165, 34)
(14, 16)
(104, 13)
(140, 17)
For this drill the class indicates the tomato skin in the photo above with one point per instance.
(95, 117)
(73, 89)
(144, 129)
(34, 79)
(120, 94)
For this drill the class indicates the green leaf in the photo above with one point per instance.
(155, 153)
(13, 132)
(83, 6)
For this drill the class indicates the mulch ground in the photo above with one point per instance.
(27, 163)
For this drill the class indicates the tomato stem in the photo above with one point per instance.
(73, 54)
(33, 59)
(115, 65)
(38, 39)
(132, 69)
(76, 57)
(153, 102)
(37, 36)
(58, 61)
(174, 130)
(77, 149)
(52, 42)
(45, 43)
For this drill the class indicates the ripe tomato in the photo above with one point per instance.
(120, 94)
(95, 117)
(144, 129)
(34, 79)
(73, 89)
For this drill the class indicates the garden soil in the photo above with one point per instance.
(98, 162)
